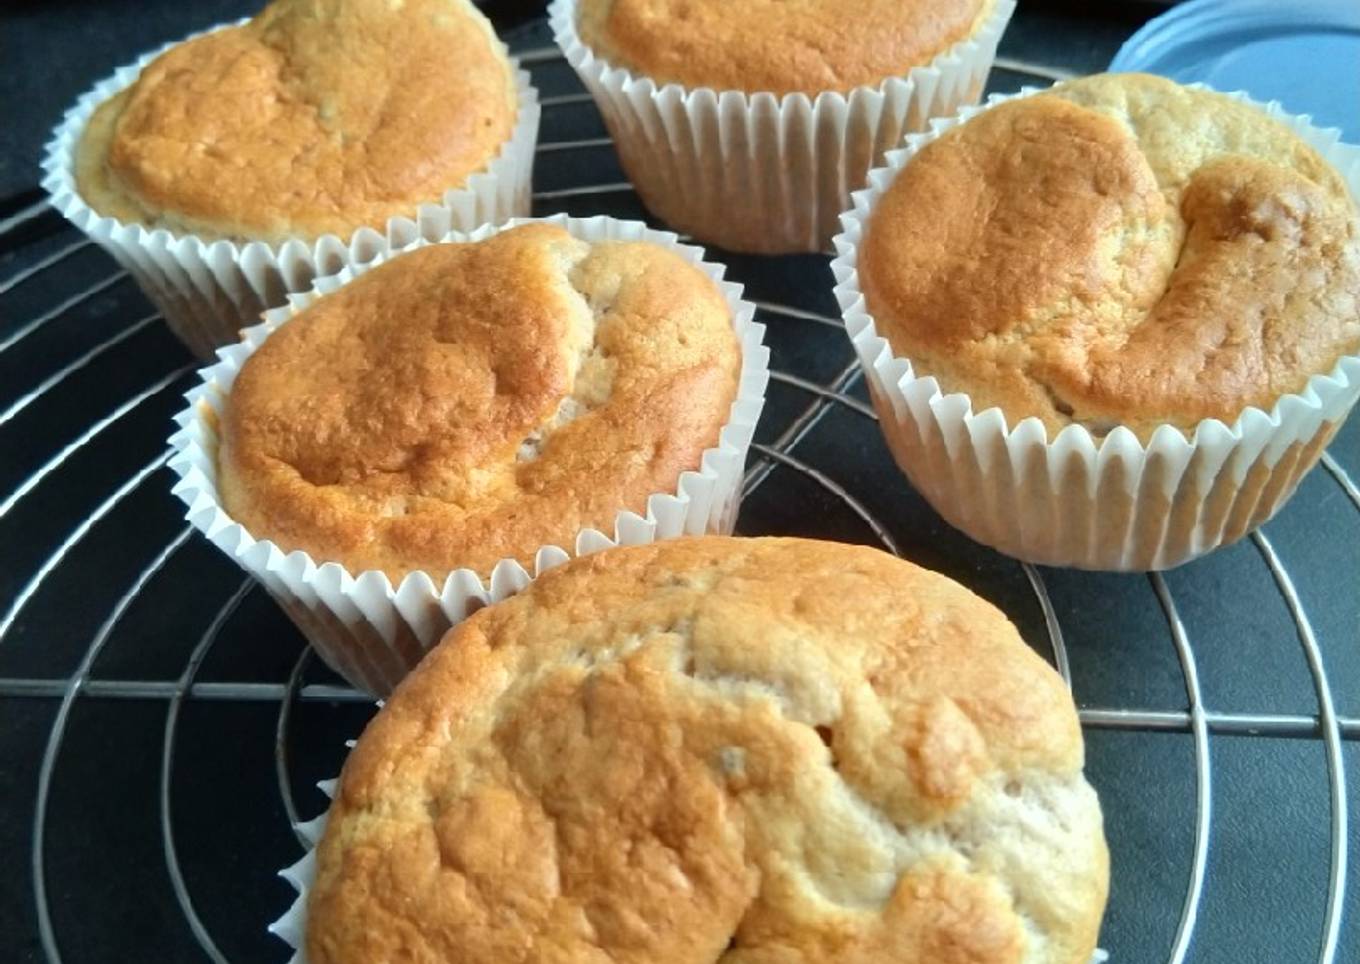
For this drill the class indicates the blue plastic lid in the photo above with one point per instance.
(1303, 53)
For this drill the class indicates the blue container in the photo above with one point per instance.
(1303, 53)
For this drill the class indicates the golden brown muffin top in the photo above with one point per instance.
(739, 750)
(780, 46)
(1120, 250)
(317, 116)
(463, 403)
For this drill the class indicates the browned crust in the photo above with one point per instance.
(382, 427)
(780, 46)
(763, 750)
(1121, 250)
(318, 116)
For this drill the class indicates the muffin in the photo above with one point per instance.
(1130, 313)
(746, 750)
(747, 125)
(305, 124)
(440, 419)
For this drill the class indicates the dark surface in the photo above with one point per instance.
(147, 790)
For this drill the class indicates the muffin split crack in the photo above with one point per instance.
(698, 751)
(1119, 250)
(465, 403)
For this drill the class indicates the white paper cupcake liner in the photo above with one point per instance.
(291, 928)
(373, 633)
(760, 173)
(1078, 500)
(208, 290)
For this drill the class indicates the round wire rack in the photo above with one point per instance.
(163, 727)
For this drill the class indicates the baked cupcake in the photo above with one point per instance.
(1112, 324)
(744, 750)
(232, 168)
(441, 422)
(747, 125)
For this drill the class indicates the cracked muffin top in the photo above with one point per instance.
(463, 403)
(317, 116)
(1120, 250)
(739, 750)
(779, 46)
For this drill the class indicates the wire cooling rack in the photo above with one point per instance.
(162, 725)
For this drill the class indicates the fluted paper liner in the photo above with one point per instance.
(208, 290)
(373, 633)
(756, 172)
(1077, 500)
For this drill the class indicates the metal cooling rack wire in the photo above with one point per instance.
(1199, 721)
(43, 264)
(58, 732)
(1331, 738)
(1267, 723)
(54, 463)
(613, 187)
(798, 428)
(196, 657)
(551, 54)
(1203, 782)
(78, 533)
(281, 759)
(1275, 724)
(562, 100)
(61, 374)
(23, 216)
(80, 297)
(879, 530)
(574, 145)
(1342, 479)
(1055, 636)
